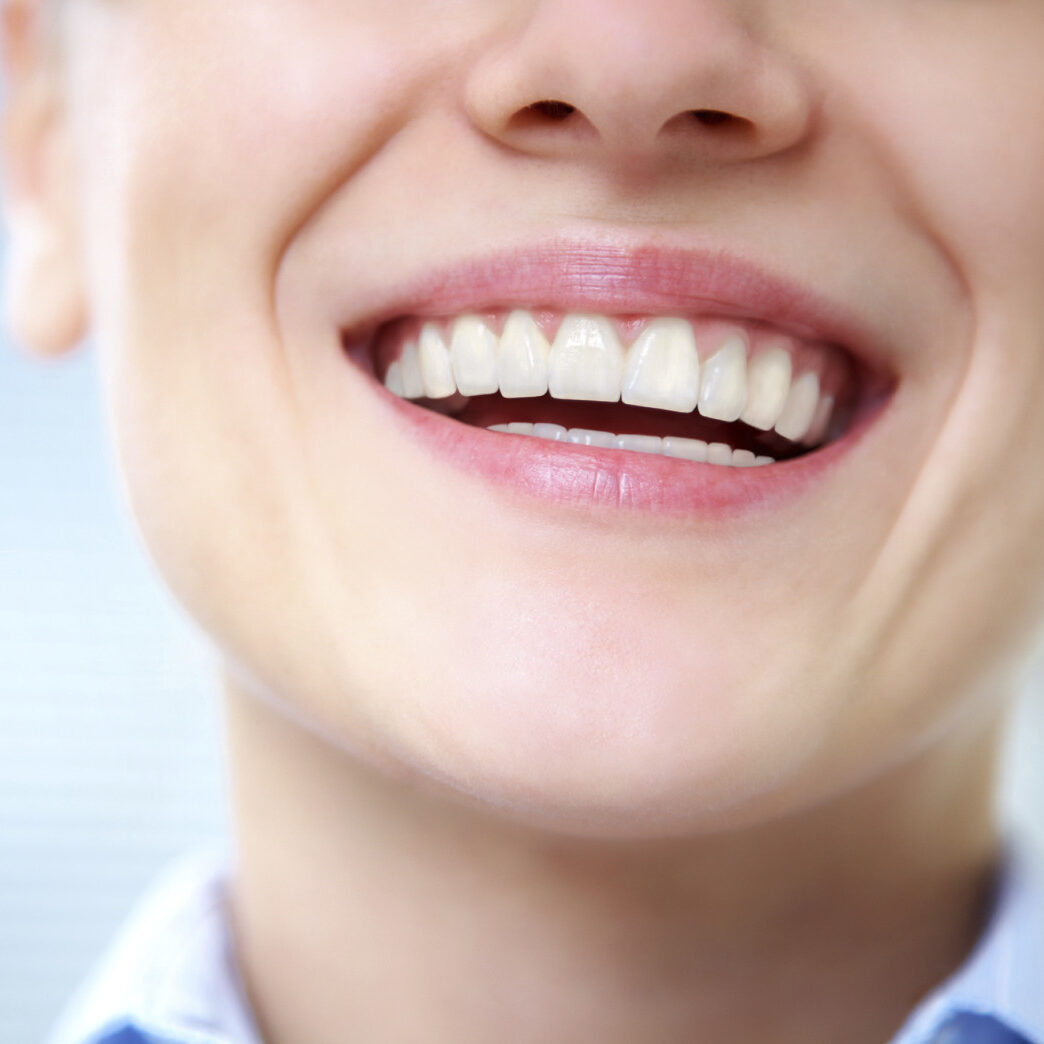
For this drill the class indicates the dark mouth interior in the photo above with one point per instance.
(615, 417)
(871, 391)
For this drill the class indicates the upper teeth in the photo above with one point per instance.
(662, 369)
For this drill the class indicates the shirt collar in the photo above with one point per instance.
(1001, 978)
(172, 972)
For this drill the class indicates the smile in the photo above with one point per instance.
(588, 396)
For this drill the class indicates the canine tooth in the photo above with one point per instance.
(412, 382)
(550, 431)
(719, 453)
(435, 364)
(586, 360)
(393, 380)
(768, 382)
(687, 449)
(800, 407)
(820, 422)
(522, 357)
(587, 437)
(742, 458)
(499, 427)
(520, 428)
(663, 367)
(764, 460)
(473, 349)
(723, 390)
(640, 443)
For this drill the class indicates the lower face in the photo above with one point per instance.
(313, 311)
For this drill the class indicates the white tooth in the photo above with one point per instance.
(800, 408)
(473, 349)
(586, 360)
(663, 367)
(393, 379)
(687, 449)
(723, 390)
(719, 453)
(820, 422)
(520, 428)
(586, 437)
(435, 365)
(743, 458)
(550, 431)
(412, 383)
(768, 382)
(522, 358)
(640, 443)
(764, 460)
(498, 427)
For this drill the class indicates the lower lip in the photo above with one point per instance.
(591, 478)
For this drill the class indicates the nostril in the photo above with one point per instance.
(551, 109)
(727, 126)
(549, 117)
(711, 117)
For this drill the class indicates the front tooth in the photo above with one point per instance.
(412, 382)
(640, 443)
(723, 390)
(719, 453)
(522, 358)
(473, 350)
(742, 458)
(586, 437)
(586, 360)
(435, 363)
(663, 367)
(768, 383)
(800, 407)
(687, 449)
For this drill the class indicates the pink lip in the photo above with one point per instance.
(634, 281)
(586, 477)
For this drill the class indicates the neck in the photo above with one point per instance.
(365, 909)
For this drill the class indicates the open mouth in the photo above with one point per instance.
(701, 389)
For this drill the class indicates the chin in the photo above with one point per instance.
(606, 749)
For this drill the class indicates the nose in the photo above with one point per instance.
(639, 81)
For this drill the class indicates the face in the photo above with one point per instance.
(274, 210)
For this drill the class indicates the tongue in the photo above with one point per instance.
(616, 417)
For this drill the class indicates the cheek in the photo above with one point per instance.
(209, 134)
(950, 99)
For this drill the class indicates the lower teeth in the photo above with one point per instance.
(671, 446)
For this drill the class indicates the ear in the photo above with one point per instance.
(44, 287)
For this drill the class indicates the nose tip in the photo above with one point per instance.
(626, 78)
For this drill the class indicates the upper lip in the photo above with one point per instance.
(574, 275)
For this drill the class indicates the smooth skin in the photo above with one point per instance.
(506, 771)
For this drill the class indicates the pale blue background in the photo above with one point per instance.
(109, 732)
(109, 746)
